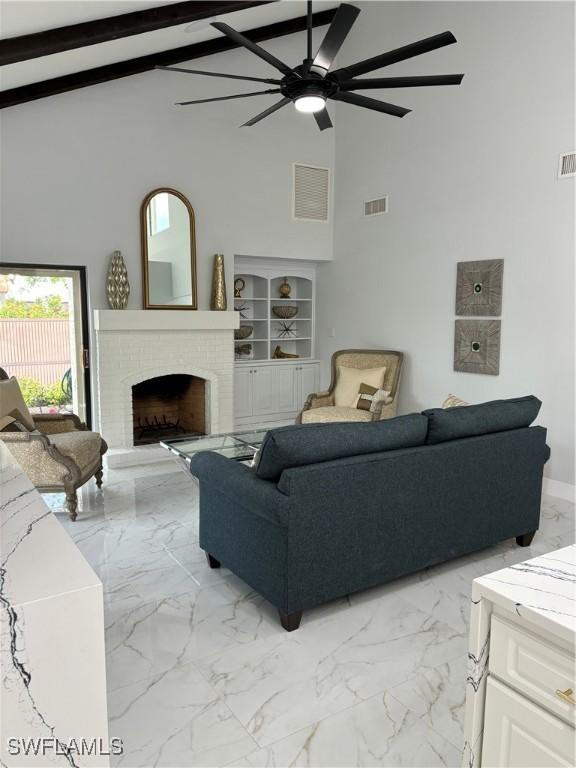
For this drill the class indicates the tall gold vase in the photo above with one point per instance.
(218, 302)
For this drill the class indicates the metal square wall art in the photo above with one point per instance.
(479, 287)
(477, 346)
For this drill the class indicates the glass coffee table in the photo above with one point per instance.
(240, 446)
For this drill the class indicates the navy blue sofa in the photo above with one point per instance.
(331, 509)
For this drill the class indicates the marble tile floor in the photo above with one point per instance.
(200, 673)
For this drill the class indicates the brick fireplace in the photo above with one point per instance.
(190, 354)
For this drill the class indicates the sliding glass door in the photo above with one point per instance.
(44, 337)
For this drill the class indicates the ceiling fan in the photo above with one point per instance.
(309, 85)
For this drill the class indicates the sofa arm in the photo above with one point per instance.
(44, 465)
(241, 485)
(55, 423)
(318, 400)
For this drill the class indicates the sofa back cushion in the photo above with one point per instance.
(301, 444)
(483, 419)
(12, 405)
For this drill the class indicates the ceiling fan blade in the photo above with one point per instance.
(337, 32)
(400, 82)
(364, 101)
(226, 98)
(220, 74)
(269, 111)
(246, 43)
(398, 54)
(323, 119)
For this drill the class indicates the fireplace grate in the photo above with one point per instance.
(148, 429)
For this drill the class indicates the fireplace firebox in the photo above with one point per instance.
(168, 406)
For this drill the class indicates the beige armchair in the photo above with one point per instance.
(59, 455)
(321, 406)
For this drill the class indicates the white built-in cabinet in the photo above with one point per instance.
(268, 390)
(528, 721)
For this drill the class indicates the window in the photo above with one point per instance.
(159, 214)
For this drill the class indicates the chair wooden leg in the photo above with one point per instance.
(212, 562)
(290, 621)
(526, 539)
(72, 503)
(99, 475)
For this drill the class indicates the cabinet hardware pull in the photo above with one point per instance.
(567, 695)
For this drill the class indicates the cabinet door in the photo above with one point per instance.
(263, 390)
(520, 734)
(308, 383)
(242, 392)
(287, 388)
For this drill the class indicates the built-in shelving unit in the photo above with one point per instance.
(260, 303)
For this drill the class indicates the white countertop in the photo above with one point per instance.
(541, 590)
(38, 559)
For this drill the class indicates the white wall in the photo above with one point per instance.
(471, 174)
(76, 167)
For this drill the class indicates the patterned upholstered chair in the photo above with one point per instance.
(58, 454)
(321, 406)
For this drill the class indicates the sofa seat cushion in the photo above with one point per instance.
(334, 413)
(82, 447)
(483, 419)
(302, 444)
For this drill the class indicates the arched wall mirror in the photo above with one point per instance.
(168, 251)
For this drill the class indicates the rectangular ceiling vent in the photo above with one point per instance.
(376, 207)
(567, 165)
(311, 192)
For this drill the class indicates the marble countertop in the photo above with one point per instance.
(32, 536)
(541, 590)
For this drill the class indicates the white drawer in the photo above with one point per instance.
(533, 667)
(520, 734)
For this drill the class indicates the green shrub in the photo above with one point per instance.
(36, 394)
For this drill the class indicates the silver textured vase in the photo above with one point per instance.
(117, 285)
(218, 302)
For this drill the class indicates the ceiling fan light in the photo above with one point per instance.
(310, 104)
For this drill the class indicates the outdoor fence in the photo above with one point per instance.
(35, 348)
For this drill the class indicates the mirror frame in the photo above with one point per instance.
(144, 238)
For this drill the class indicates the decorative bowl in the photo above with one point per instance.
(243, 332)
(285, 312)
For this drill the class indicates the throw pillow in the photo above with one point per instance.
(453, 402)
(12, 403)
(371, 398)
(349, 380)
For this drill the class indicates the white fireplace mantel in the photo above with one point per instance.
(164, 320)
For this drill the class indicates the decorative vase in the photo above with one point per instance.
(218, 302)
(117, 285)
(285, 289)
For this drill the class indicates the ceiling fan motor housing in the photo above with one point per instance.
(311, 84)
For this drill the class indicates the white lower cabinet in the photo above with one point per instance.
(273, 391)
(529, 711)
(520, 734)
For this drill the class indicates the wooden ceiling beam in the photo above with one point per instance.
(25, 93)
(25, 47)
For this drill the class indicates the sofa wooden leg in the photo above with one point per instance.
(526, 539)
(72, 504)
(212, 562)
(290, 621)
(99, 475)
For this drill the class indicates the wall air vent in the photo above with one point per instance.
(567, 165)
(311, 192)
(376, 207)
